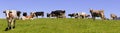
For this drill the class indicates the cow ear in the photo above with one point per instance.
(4, 12)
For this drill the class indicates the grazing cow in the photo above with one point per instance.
(97, 13)
(39, 14)
(58, 13)
(113, 16)
(11, 16)
(31, 16)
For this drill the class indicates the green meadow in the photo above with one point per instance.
(61, 25)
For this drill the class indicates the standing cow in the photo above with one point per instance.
(11, 16)
(97, 13)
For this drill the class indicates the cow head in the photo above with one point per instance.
(7, 13)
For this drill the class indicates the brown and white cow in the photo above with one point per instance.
(31, 16)
(97, 13)
(11, 16)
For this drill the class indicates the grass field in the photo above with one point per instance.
(69, 25)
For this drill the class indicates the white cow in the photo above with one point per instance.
(11, 16)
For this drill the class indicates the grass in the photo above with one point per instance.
(69, 25)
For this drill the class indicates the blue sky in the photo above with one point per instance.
(71, 6)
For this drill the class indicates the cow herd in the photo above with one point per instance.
(13, 15)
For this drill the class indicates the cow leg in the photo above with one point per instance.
(19, 17)
(102, 16)
(42, 16)
(36, 16)
(9, 25)
(13, 23)
(84, 17)
(93, 17)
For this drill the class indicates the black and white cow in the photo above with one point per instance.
(11, 16)
(39, 14)
(58, 13)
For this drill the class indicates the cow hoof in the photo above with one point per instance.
(10, 28)
(6, 29)
(13, 27)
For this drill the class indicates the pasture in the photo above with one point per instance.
(61, 25)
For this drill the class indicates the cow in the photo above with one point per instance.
(39, 14)
(58, 13)
(82, 15)
(26, 17)
(79, 15)
(11, 16)
(113, 16)
(97, 13)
